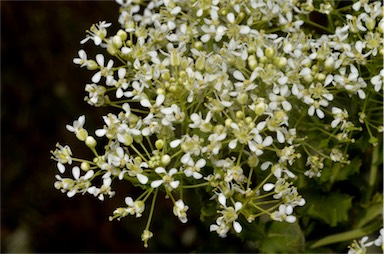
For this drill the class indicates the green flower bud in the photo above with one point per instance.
(85, 166)
(159, 144)
(90, 142)
(269, 52)
(260, 108)
(240, 114)
(92, 65)
(122, 34)
(370, 23)
(166, 75)
(282, 62)
(242, 98)
(253, 161)
(82, 134)
(117, 42)
(329, 63)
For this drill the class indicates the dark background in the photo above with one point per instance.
(41, 92)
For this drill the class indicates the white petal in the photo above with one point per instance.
(306, 71)
(197, 175)
(175, 143)
(231, 17)
(222, 199)
(320, 113)
(160, 170)
(61, 167)
(238, 75)
(71, 193)
(70, 128)
(290, 219)
(268, 186)
(160, 99)
(142, 178)
(311, 110)
(200, 163)
(76, 172)
(233, 144)
(100, 132)
(237, 227)
(268, 141)
(156, 183)
(129, 201)
(205, 38)
(96, 78)
(280, 137)
(100, 59)
(174, 184)
(282, 80)
(145, 103)
(245, 29)
(238, 206)
(88, 175)
(172, 171)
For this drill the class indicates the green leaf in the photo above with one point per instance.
(208, 209)
(283, 237)
(332, 208)
(370, 214)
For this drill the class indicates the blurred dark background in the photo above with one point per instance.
(41, 92)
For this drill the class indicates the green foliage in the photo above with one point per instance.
(332, 208)
(283, 238)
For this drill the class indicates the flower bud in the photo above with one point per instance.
(228, 122)
(253, 161)
(165, 159)
(240, 114)
(117, 42)
(122, 34)
(198, 45)
(242, 98)
(269, 52)
(90, 142)
(85, 166)
(260, 108)
(92, 65)
(252, 63)
(329, 63)
(370, 23)
(159, 144)
(281, 62)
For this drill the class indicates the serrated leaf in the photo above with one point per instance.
(283, 237)
(332, 208)
(340, 172)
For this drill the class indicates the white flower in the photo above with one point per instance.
(167, 178)
(78, 129)
(284, 214)
(104, 70)
(378, 81)
(97, 33)
(193, 169)
(135, 207)
(82, 60)
(340, 116)
(180, 210)
(228, 218)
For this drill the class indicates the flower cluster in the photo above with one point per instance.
(237, 98)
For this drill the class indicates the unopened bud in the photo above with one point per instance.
(90, 142)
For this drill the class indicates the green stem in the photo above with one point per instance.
(152, 209)
(345, 236)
